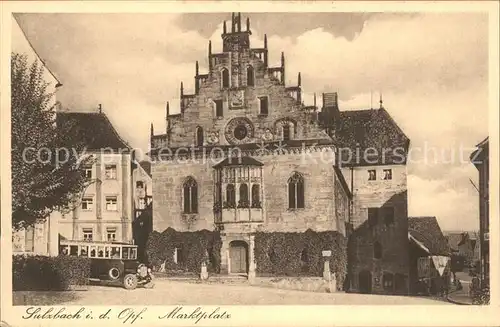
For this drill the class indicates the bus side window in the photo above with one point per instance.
(125, 253)
(84, 251)
(115, 253)
(92, 253)
(133, 255)
(73, 250)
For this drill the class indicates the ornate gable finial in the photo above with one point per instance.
(197, 68)
(381, 101)
(248, 24)
(299, 80)
(265, 41)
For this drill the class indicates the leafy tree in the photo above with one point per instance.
(47, 161)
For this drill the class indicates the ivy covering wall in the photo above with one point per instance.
(193, 248)
(300, 254)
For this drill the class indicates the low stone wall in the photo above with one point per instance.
(308, 284)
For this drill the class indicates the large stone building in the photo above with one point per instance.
(245, 154)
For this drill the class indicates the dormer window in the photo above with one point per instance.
(225, 78)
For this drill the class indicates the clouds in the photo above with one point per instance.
(432, 70)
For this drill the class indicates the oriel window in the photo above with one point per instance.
(256, 196)
(230, 195)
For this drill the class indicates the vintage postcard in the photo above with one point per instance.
(249, 163)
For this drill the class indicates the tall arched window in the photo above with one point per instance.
(230, 196)
(225, 78)
(199, 136)
(286, 132)
(256, 196)
(377, 250)
(190, 194)
(243, 202)
(296, 191)
(250, 76)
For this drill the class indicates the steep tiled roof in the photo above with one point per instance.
(454, 240)
(93, 129)
(371, 129)
(427, 231)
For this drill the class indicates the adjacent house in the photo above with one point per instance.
(429, 255)
(42, 238)
(106, 208)
(480, 159)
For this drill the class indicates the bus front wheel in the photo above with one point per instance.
(130, 281)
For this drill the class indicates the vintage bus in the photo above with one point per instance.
(114, 262)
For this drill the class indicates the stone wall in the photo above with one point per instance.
(393, 237)
(318, 214)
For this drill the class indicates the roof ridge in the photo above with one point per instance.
(114, 130)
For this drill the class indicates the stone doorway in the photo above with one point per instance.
(238, 257)
(365, 282)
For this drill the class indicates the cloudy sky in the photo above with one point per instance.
(432, 70)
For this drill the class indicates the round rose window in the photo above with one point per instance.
(240, 132)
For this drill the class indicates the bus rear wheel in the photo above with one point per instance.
(130, 281)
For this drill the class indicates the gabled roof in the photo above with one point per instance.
(427, 231)
(374, 129)
(93, 129)
(146, 165)
(239, 161)
(454, 240)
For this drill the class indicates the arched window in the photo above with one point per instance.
(199, 136)
(377, 250)
(256, 196)
(250, 76)
(296, 191)
(230, 195)
(190, 192)
(243, 202)
(286, 132)
(225, 78)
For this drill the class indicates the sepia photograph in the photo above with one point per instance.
(221, 158)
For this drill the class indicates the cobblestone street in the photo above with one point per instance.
(183, 293)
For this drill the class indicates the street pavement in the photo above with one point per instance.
(167, 292)
(462, 296)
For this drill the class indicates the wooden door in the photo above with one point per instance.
(365, 282)
(238, 254)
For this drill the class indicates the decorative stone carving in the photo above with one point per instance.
(239, 130)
